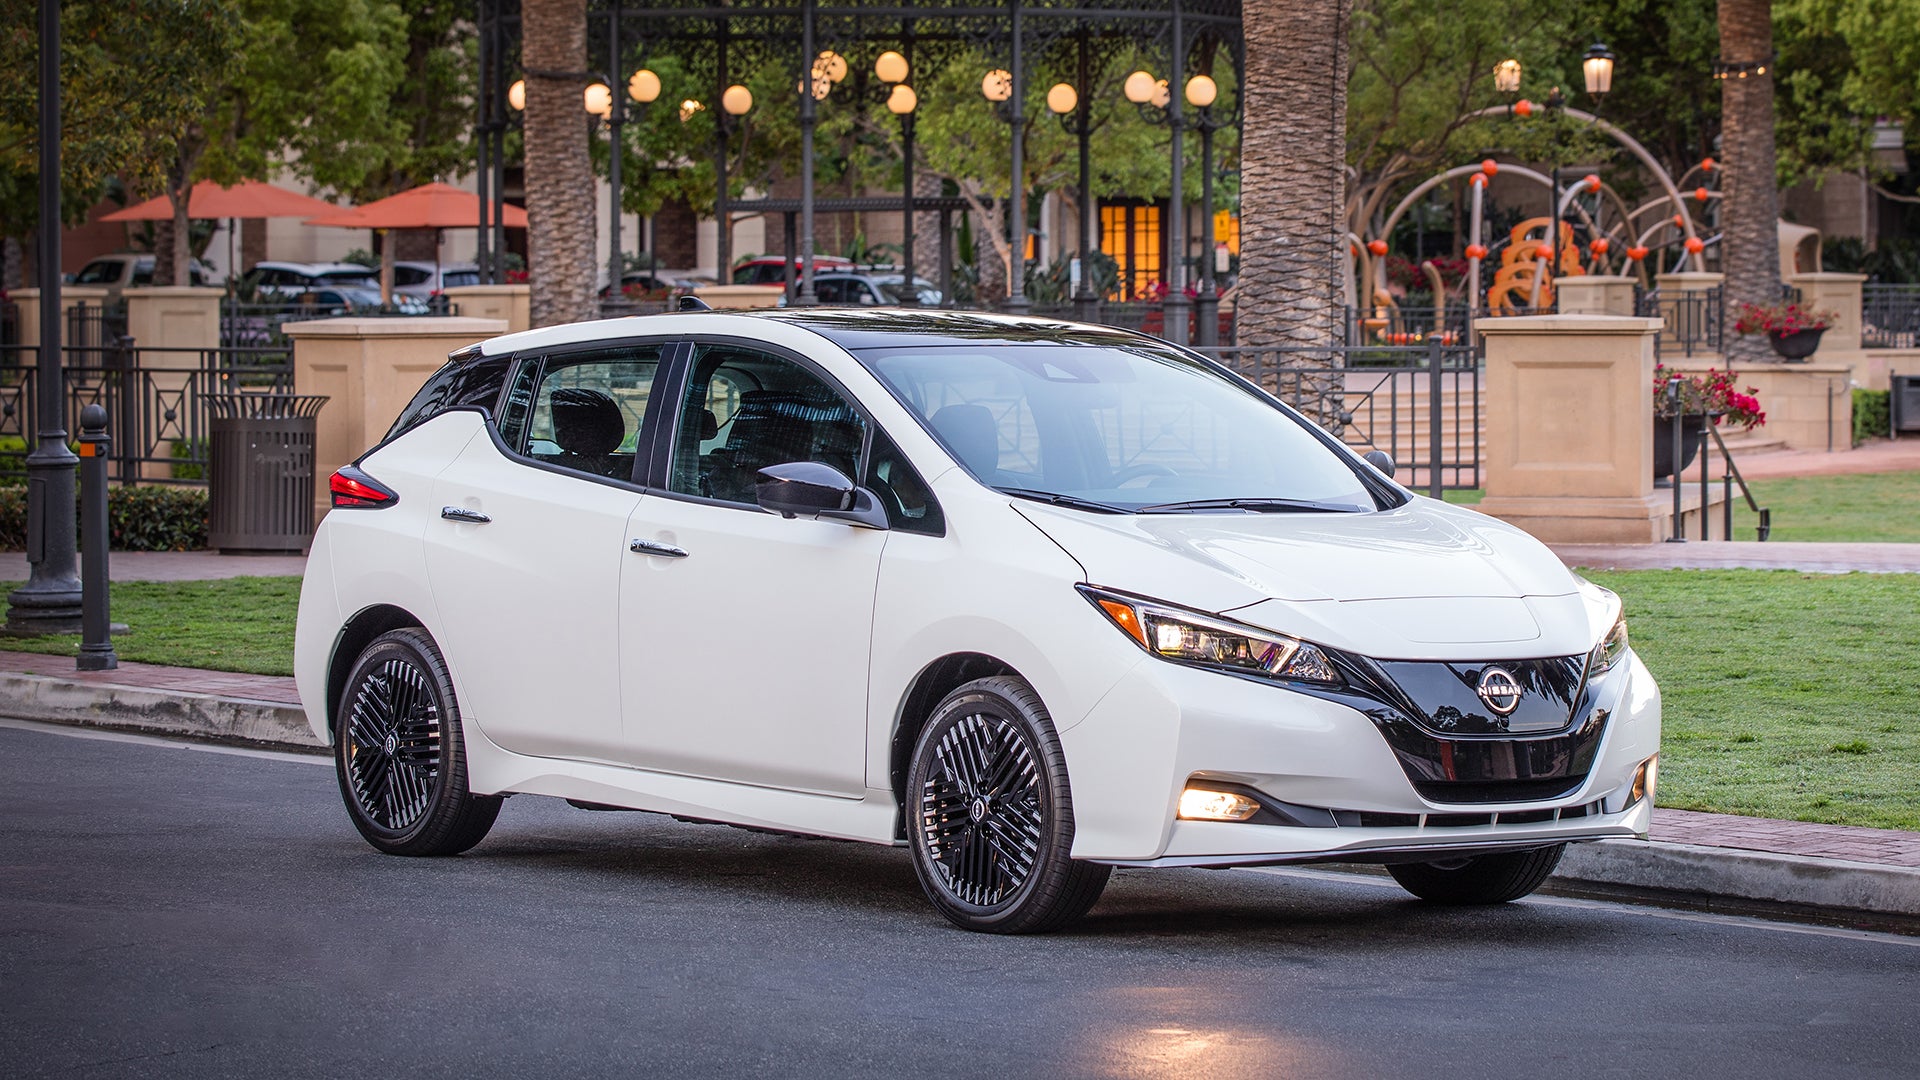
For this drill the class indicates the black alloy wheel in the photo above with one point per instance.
(398, 752)
(1479, 879)
(991, 814)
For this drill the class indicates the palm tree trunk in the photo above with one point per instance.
(1293, 190)
(1750, 199)
(560, 187)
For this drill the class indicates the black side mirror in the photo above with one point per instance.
(817, 490)
(1381, 460)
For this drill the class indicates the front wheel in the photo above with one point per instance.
(991, 815)
(1479, 879)
(398, 752)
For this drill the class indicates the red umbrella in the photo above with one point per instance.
(429, 206)
(247, 199)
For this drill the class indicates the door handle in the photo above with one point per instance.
(649, 547)
(462, 514)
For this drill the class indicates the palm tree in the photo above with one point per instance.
(1749, 199)
(1293, 187)
(560, 188)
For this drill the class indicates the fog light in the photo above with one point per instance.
(1644, 779)
(1199, 804)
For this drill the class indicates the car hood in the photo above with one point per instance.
(1425, 580)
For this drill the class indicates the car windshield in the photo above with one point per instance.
(99, 272)
(346, 277)
(1117, 429)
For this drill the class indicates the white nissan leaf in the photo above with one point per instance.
(1031, 599)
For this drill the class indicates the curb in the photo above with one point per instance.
(1733, 880)
(173, 712)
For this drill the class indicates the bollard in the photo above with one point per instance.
(1673, 401)
(96, 627)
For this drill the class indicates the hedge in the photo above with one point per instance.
(1871, 418)
(138, 518)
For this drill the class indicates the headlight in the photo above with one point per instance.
(1187, 637)
(1610, 650)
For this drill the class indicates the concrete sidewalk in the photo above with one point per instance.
(1867, 877)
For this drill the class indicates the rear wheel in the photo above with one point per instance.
(398, 752)
(1479, 879)
(991, 815)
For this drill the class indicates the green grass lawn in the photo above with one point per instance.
(1787, 695)
(242, 624)
(1869, 507)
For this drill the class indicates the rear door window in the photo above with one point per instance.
(583, 412)
(460, 383)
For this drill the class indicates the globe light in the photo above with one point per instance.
(1202, 91)
(1598, 68)
(517, 94)
(822, 86)
(998, 85)
(1062, 98)
(737, 100)
(644, 86)
(1139, 88)
(891, 67)
(598, 99)
(1506, 76)
(903, 100)
(689, 107)
(831, 65)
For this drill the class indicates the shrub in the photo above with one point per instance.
(1872, 416)
(138, 519)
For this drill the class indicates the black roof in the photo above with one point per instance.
(855, 328)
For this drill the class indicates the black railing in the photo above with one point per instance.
(1420, 403)
(1730, 478)
(1889, 316)
(1691, 322)
(156, 399)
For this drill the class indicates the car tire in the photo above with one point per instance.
(1480, 879)
(990, 814)
(399, 755)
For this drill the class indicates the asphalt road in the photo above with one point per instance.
(169, 911)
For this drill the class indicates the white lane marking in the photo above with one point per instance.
(1713, 918)
(103, 735)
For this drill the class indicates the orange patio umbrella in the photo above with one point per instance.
(429, 206)
(246, 199)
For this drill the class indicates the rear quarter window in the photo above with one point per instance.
(460, 383)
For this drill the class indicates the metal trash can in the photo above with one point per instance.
(1903, 405)
(260, 451)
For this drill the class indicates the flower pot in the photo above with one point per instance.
(1798, 345)
(1693, 435)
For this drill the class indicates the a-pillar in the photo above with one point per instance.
(1570, 429)
(369, 369)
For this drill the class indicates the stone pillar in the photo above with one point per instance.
(1840, 294)
(370, 369)
(1595, 294)
(71, 296)
(1688, 281)
(1570, 429)
(174, 317)
(1809, 405)
(509, 302)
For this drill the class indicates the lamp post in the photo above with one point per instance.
(892, 69)
(1065, 102)
(814, 88)
(735, 101)
(49, 603)
(1201, 92)
(1006, 89)
(1159, 105)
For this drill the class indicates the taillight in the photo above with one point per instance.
(354, 489)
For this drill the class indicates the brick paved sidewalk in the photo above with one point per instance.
(1887, 847)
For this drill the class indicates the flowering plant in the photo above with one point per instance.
(1713, 393)
(1779, 320)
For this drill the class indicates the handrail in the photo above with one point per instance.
(1732, 477)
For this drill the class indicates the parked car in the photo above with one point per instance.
(134, 270)
(661, 282)
(287, 279)
(426, 279)
(1032, 600)
(772, 269)
(350, 300)
(871, 290)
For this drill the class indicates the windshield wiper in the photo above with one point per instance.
(1255, 506)
(1058, 499)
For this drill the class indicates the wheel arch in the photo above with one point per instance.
(934, 682)
(355, 635)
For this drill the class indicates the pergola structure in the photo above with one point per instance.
(1024, 42)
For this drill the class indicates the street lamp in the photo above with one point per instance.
(1076, 116)
(1002, 88)
(735, 101)
(1506, 76)
(1158, 105)
(1201, 93)
(517, 95)
(1598, 68)
(892, 69)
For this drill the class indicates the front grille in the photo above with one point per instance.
(1497, 791)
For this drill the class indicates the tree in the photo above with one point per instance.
(1749, 200)
(560, 218)
(1293, 183)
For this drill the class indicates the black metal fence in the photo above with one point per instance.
(1692, 322)
(1889, 316)
(1420, 403)
(156, 401)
